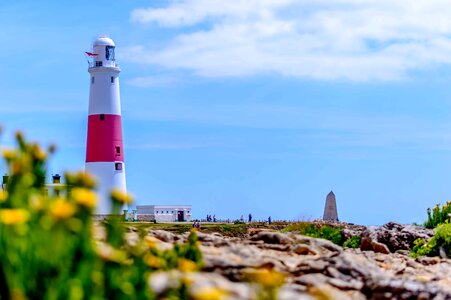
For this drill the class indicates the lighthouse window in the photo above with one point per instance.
(109, 52)
(118, 166)
(99, 64)
(92, 79)
(102, 117)
(118, 150)
(112, 79)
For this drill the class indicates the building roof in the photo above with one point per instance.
(103, 40)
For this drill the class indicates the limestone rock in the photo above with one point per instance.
(313, 268)
(392, 237)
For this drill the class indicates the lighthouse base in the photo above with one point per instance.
(109, 176)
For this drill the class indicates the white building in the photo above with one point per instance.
(164, 213)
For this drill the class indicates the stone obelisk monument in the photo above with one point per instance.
(330, 210)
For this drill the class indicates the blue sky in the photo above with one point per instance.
(258, 106)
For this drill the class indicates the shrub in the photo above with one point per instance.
(47, 249)
(352, 242)
(440, 241)
(333, 234)
(438, 215)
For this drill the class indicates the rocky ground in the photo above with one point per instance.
(317, 268)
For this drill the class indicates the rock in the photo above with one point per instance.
(303, 250)
(132, 238)
(369, 242)
(394, 236)
(214, 239)
(320, 246)
(424, 260)
(310, 266)
(271, 237)
(313, 268)
(162, 235)
(325, 291)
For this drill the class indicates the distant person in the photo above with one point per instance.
(194, 224)
(198, 225)
(250, 218)
(214, 218)
(269, 220)
(242, 218)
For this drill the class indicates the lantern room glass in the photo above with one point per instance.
(109, 52)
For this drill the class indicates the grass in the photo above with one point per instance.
(226, 229)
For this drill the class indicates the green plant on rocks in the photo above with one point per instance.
(47, 248)
(438, 215)
(438, 245)
(352, 242)
(324, 231)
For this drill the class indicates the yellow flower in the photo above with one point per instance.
(9, 154)
(80, 179)
(3, 196)
(152, 261)
(61, 209)
(84, 197)
(208, 293)
(16, 168)
(11, 216)
(150, 241)
(121, 197)
(36, 202)
(186, 265)
(266, 278)
(86, 180)
(37, 152)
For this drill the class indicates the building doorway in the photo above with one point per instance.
(180, 217)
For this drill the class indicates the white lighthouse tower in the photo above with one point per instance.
(104, 147)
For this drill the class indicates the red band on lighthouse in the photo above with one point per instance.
(104, 143)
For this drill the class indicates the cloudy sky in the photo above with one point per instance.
(257, 106)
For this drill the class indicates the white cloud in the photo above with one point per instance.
(336, 39)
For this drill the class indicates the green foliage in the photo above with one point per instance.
(443, 237)
(438, 215)
(316, 230)
(352, 242)
(438, 218)
(47, 248)
(238, 222)
(440, 240)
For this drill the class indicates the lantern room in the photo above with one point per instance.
(103, 48)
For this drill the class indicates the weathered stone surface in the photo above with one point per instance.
(272, 237)
(392, 237)
(314, 268)
(162, 235)
(369, 241)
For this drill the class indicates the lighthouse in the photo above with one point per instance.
(104, 146)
